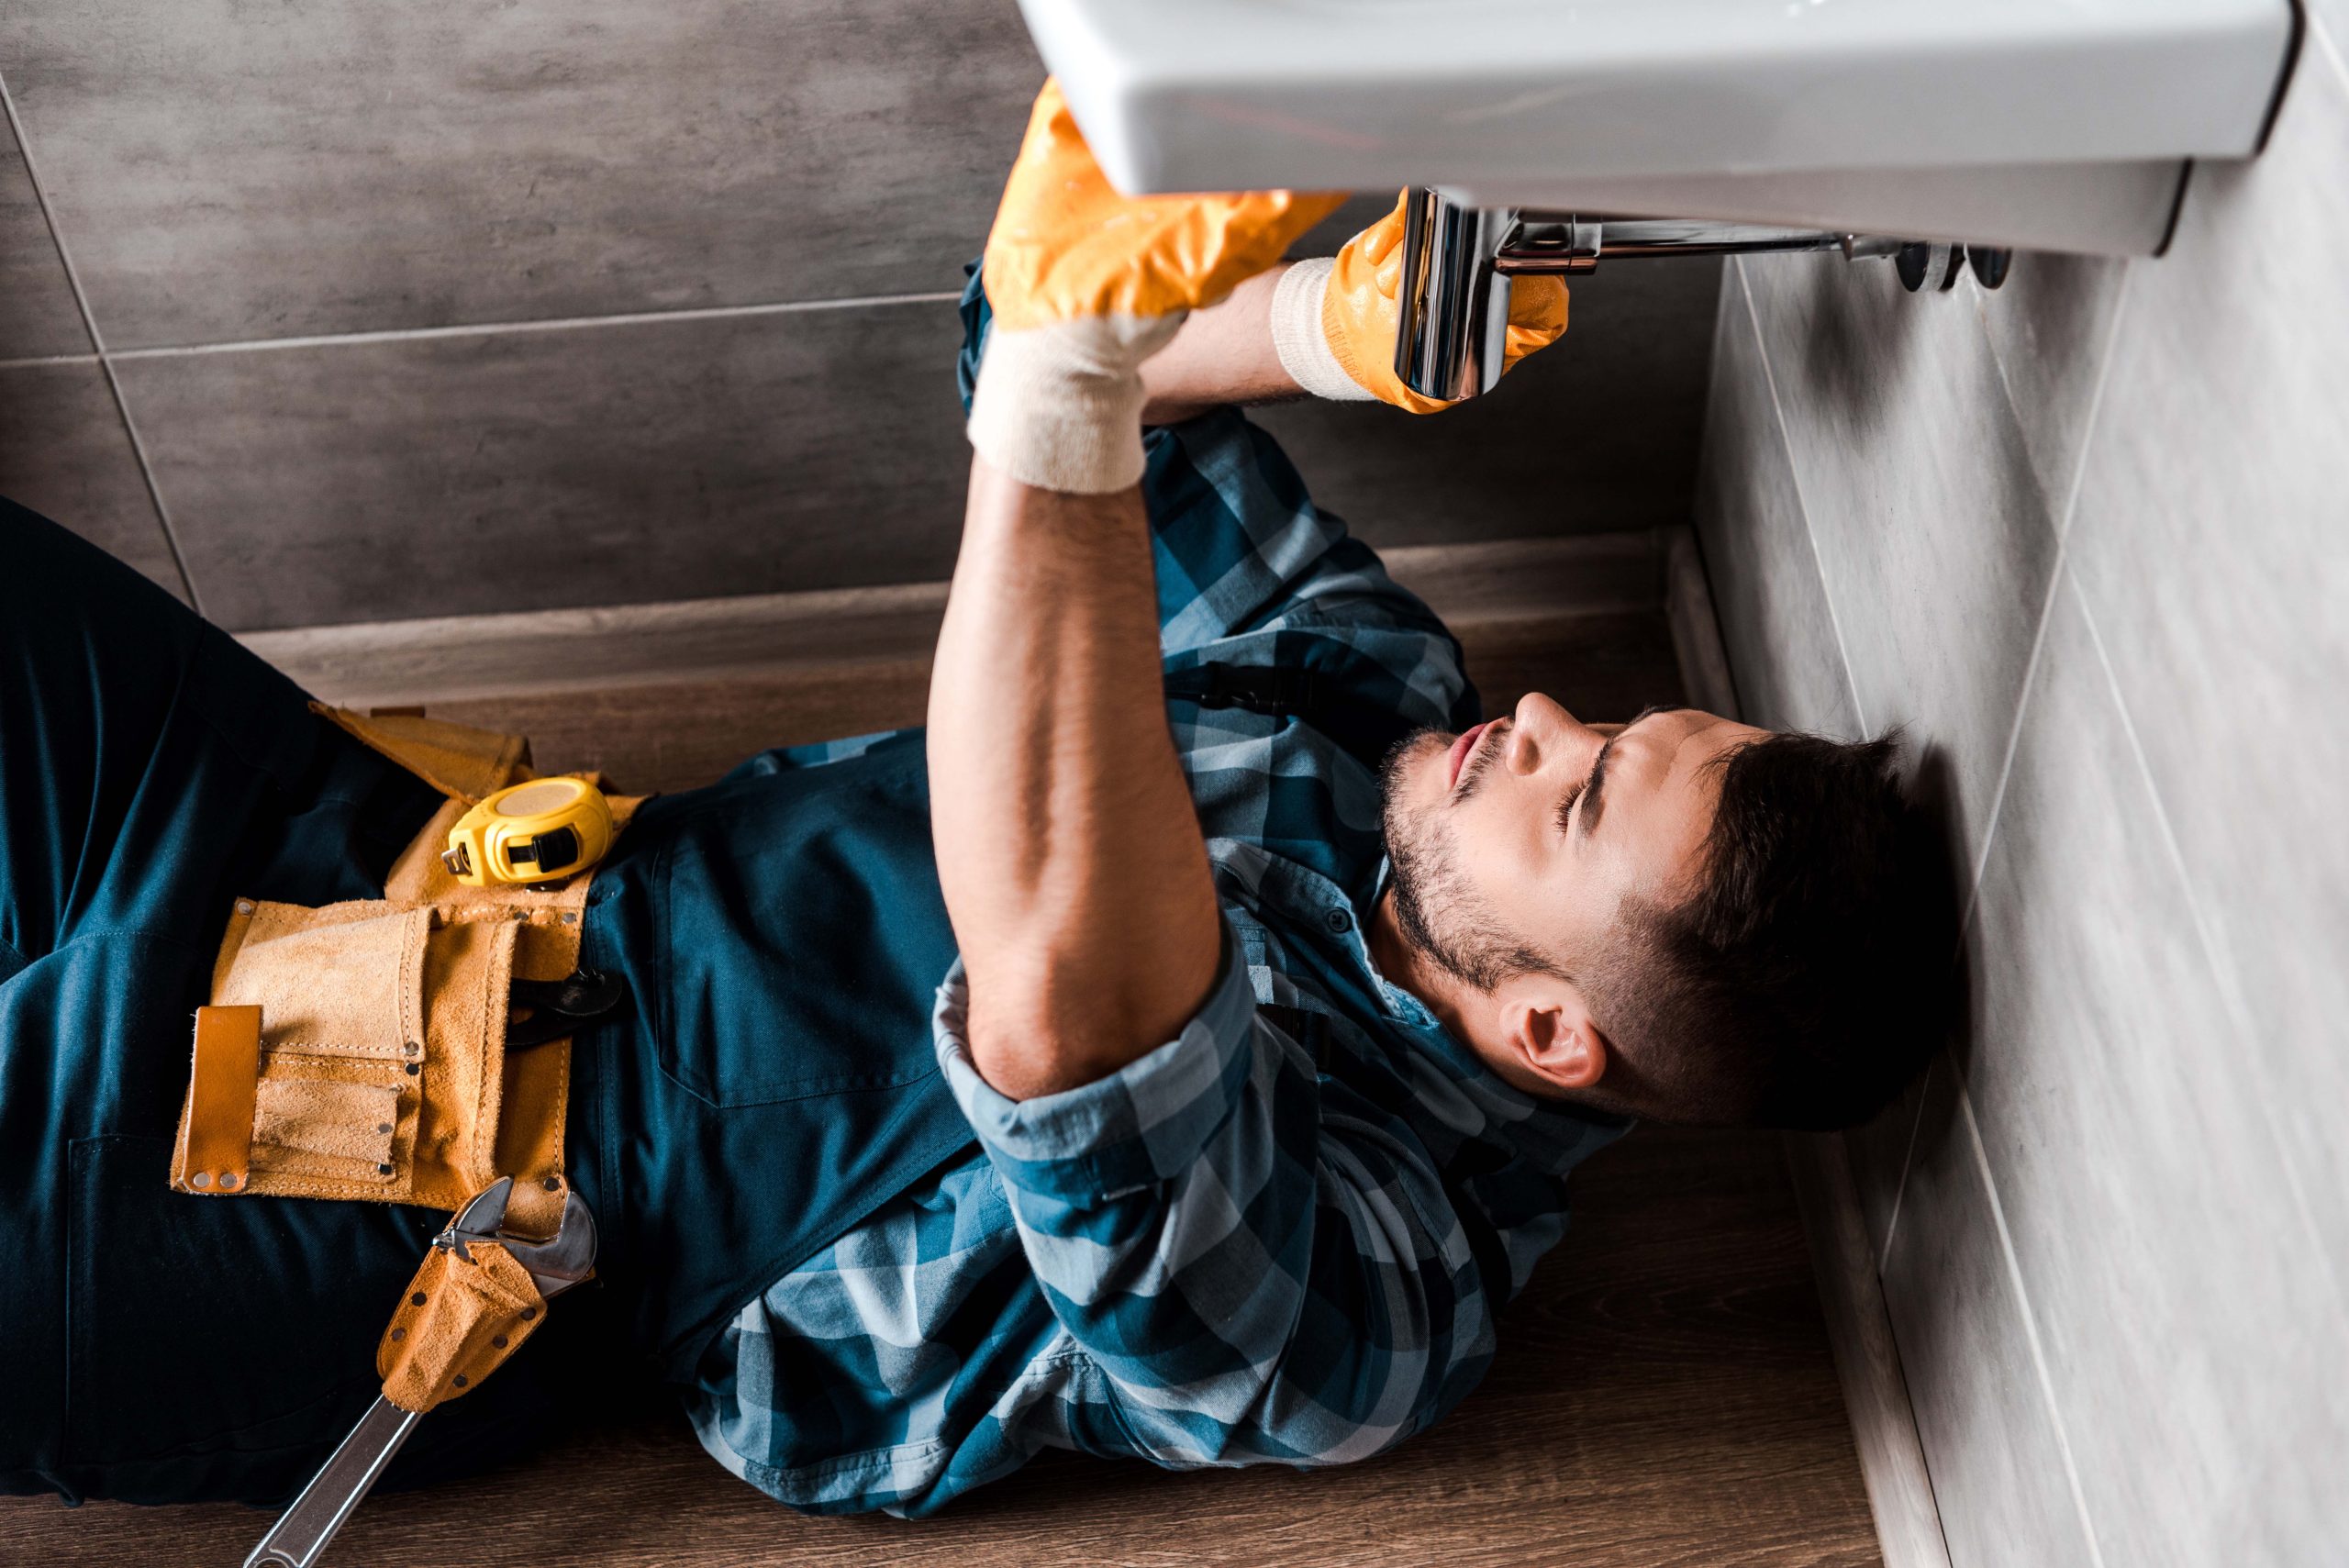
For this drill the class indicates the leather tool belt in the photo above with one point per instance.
(362, 1050)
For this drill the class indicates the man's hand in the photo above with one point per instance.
(1086, 285)
(1068, 847)
(1323, 328)
(1335, 321)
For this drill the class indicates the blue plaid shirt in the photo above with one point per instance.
(1280, 1236)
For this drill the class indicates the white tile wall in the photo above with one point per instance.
(1966, 1352)
(2089, 534)
(2214, 548)
(1780, 632)
(1899, 426)
(2193, 1347)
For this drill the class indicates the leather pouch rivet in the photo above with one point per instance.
(227, 1181)
(460, 1380)
(201, 1179)
(383, 1130)
(416, 1300)
(413, 1070)
(398, 1334)
(497, 1341)
(552, 1183)
(529, 1313)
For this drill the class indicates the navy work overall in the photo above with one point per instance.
(770, 1083)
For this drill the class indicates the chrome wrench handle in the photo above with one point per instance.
(300, 1536)
(301, 1533)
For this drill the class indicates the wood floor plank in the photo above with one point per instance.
(1663, 1397)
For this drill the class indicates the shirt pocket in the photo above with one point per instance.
(802, 938)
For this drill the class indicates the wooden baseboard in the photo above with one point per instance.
(1850, 1293)
(400, 663)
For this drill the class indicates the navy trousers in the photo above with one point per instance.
(156, 1347)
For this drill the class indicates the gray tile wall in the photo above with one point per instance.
(66, 451)
(648, 297)
(37, 316)
(2088, 538)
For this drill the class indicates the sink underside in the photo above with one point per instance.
(1838, 107)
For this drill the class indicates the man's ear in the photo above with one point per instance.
(1556, 1039)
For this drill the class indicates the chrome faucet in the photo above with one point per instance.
(1458, 260)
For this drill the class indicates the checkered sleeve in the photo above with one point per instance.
(1256, 1277)
(1243, 556)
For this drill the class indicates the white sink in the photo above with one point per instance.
(1841, 108)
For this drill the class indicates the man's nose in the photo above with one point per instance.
(1545, 735)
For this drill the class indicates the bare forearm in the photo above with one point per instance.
(1221, 355)
(1068, 850)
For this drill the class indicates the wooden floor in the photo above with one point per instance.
(1663, 1394)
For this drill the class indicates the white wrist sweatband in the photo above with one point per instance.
(1059, 407)
(1298, 336)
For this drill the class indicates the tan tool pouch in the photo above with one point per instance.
(358, 1051)
(459, 1321)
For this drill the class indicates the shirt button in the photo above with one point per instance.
(1338, 920)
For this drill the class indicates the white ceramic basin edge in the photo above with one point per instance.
(1502, 94)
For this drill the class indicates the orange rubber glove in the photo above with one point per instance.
(1333, 322)
(1086, 285)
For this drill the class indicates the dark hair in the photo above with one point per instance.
(1808, 980)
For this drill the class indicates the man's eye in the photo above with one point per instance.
(1566, 808)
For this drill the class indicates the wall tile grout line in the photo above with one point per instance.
(2030, 1329)
(147, 472)
(1794, 472)
(546, 324)
(1941, 1063)
(36, 362)
(2221, 972)
(2054, 578)
(2129, 275)
(98, 343)
(2055, 573)
(2329, 48)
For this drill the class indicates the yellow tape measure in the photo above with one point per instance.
(539, 831)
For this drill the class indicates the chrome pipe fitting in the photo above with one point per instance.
(1453, 320)
(1451, 323)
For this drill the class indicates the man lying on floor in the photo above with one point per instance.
(1178, 1053)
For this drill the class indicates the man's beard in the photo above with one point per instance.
(1442, 914)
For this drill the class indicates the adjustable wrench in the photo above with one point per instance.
(302, 1532)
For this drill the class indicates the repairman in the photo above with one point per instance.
(1179, 1051)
